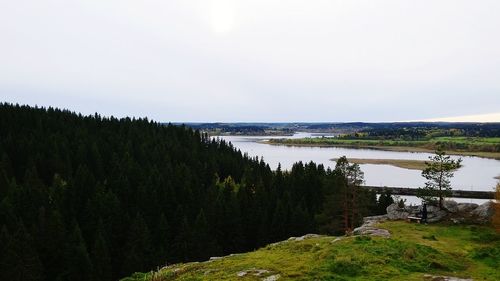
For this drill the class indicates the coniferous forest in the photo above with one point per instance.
(94, 198)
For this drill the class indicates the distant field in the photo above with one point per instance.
(476, 146)
(400, 163)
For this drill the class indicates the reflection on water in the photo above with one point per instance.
(476, 173)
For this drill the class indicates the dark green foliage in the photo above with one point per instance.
(385, 200)
(19, 261)
(100, 198)
(101, 259)
(203, 242)
(138, 246)
(438, 173)
(78, 265)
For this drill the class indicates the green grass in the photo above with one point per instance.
(413, 250)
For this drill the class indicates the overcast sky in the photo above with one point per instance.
(255, 60)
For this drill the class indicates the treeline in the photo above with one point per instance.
(94, 198)
(428, 132)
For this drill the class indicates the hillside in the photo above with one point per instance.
(412, 252)
(98, 198)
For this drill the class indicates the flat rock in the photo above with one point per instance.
(253, 271)
(443, 278)
(369, 228)
(372, 231)
(272, 278)
(304, 237)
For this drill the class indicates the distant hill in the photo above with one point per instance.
(465, 129)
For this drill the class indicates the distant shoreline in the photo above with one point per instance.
(481, 154)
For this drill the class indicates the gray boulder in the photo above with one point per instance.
(394, 212)
(466, 207)
(450, 206)
(484, 212)
(435, 214)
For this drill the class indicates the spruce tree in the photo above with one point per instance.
(204, 243)
(138, 247)
(78, 265)
(163, 238)
(183, 242)
(101, 259)
(385, 200)
(4, 242)
(20, 260)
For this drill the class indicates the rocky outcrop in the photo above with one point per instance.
(435, 214)
(369, 228)
(456, 212)
(484, 212)
(304, 237)
(394, 212)
(466, 207)
(450, 206)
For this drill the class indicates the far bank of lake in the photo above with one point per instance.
(299, 142)
(476, 174)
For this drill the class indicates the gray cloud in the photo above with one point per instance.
(253, 60)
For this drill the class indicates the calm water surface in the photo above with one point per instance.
(476, 173)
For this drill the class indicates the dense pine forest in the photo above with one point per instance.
(95, 198)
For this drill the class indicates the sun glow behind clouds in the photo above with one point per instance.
(222, 16)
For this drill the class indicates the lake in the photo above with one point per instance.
(476, 174)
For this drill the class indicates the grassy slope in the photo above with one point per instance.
(413, 250)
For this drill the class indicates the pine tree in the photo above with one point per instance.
(438, 173)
